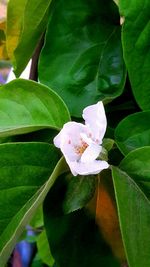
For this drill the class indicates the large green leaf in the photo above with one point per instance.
(82, 57)
(24, 172)
(26, 22)
(133, 132)
(134, 214)
(137, 165)
(135, 37)
(27, 106)
(74, 238)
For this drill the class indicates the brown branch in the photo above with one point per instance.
(34, 65)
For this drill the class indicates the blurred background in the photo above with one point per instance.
(4, 64)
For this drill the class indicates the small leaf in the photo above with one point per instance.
(108, 143)
(134, 215)
(80, 190)
(27, 106)
(133, 132)
(82, 57)
(44, 249)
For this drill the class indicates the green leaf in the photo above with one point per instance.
(135, 38)
(44, 250)
(82, 57)
(15, 11)
(27, 106)
(74, 238)
(108, 143)
(137, 165)
(25, 180)
(80, 190)
(134, 215)
(133, 132)
(25, 24)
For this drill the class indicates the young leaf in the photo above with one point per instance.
(82, 57)
(27, 106)
(26, 21)
(135, 37)
(133, 132)
(134, 214)
(25, 179)
(80, 190)
(44, 249)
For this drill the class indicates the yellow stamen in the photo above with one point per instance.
(80, 149)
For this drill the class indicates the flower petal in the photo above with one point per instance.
(70, 130)
(93, 167)
(95, 119)
(91, 153)
(57, 140)
(68, 138)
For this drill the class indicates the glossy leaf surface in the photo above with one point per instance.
(137, 165)
(27, 106)
(82, 57)
(133, 132)
(135, 37)
(80, 190)
(134, 214)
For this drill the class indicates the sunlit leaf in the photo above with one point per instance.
(27, 106)
(3, 51)
(25, 24)
(15, 13)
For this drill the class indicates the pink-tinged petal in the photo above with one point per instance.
(71, 166)
(69, 152)
(71, 130)
(69, 138)
(95, 119)
(88, 168)
(91, 153)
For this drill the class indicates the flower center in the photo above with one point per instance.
(81, 148)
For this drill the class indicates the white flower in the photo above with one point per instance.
(81, 143)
